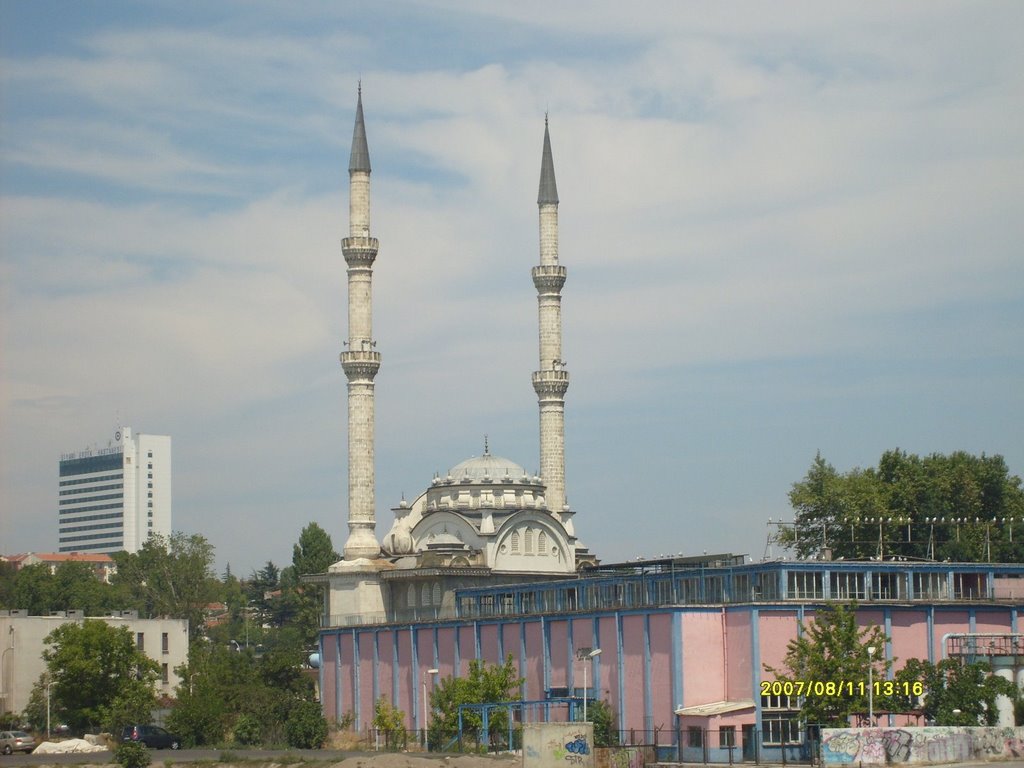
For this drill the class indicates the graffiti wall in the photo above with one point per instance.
(558, 745)
(879, 746)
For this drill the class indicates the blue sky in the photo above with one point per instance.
(789, 227)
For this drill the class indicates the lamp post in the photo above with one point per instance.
(49, 684)
(586, 663)
(429, 672)
(871, 686)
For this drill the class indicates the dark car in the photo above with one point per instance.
(16, 741)
(153, 736)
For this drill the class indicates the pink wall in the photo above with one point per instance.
(446, 651)
(560, 656)
(909, 635)
(534, 672)
(328, 688)
(775, 630)
(609, 662)
(385, 648)
(489, 643)
(703, 658)
(511, 634)
(738, 649)
(991, 621)
(467, 649)
(633, 670)
(661, 662)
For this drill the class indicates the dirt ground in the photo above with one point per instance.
(413, 760)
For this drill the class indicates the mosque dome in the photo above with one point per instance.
(486, 469)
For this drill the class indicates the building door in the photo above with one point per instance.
(749, 743)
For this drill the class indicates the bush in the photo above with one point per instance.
(306, 727)
(247, 730)
(131, 754)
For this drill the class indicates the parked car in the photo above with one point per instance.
(153, 736)
(16, 741)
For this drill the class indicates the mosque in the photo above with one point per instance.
(487, 520)
(486, 564)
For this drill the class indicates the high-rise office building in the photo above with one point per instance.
(111, 499)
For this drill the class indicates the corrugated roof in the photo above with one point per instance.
(716, 708)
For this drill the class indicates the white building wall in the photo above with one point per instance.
(23, 641)
(153, 492)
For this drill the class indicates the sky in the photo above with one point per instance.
(789, 228)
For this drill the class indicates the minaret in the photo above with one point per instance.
(551, 381)
(360, 362)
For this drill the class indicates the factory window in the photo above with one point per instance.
(163, 673)
(969, 586)
(847, 586)
(165, 644)
(887, 586)
(934, 586)
(694, 736)
(140, 641)
(805, 585)
(727, 736)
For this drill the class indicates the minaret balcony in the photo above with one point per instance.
(549, 278)
(550, 382)
(360, 363)
(359, 250)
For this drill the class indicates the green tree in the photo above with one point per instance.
(34, 589)
(603, 718)
(833, 648)
(98, 676)
(947, 507)
(314, 552)
(484, 683)
(306, 727)
(390, 721)
(955, 693)
(170, 576)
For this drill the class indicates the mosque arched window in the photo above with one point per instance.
(515, 542)
(410, 596)
(425, 595)
(437, 593)
(529, 541)
(542, 543)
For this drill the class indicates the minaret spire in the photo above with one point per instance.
(551, 380)
(360, 360)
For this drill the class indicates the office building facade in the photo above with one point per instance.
(112, 499)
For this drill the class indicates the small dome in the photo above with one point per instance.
(486, 468)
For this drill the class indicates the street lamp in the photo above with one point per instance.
(871, 685)
(49, 685)
(586, 663)
(429, 672)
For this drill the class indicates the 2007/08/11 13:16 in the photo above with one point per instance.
(840, 688)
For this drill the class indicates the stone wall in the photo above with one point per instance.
(881, 746)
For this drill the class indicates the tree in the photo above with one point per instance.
(945, 507)
(34, 589)
(605, 733)
(98, 676)
(484, 683)
(955, 693)
(306, 727)
(832, 649)
(390, 721)
(170, 576)
(314, 552)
